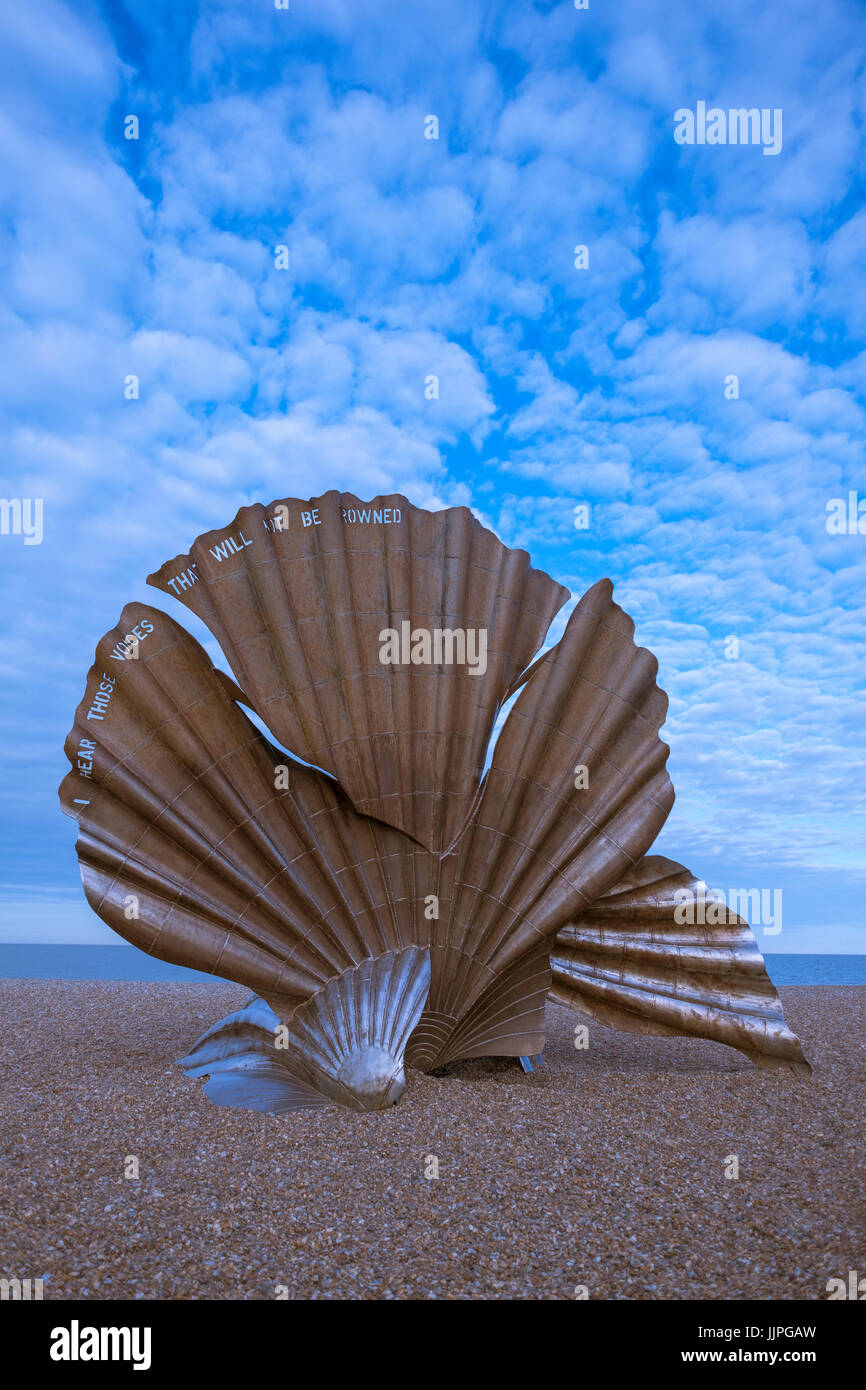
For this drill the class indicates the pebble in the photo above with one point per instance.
(604, 1168)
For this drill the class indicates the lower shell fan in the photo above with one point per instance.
(346, 1044)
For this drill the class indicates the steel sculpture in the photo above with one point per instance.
(386, 899)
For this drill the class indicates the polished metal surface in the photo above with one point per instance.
(630, 963)
(540, 849)
(384, 901)
(346, 1044)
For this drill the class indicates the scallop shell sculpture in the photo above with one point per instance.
(385, 899)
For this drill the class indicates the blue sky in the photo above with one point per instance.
(455, 257)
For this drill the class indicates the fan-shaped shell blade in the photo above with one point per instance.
(300, 594)
(507, 1020)
(346, 1044)
(203, 844)
(241, 1065)
(630, 962)
(541, 848)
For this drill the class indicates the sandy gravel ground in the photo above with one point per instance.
(605, 1169)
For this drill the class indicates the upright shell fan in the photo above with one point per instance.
(298, 596)
(576, 793)
(384, 901)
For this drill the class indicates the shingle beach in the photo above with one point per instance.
(604, 1170)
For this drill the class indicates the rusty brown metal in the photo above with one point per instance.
(409, 910)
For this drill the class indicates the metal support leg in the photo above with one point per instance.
(530, 1063)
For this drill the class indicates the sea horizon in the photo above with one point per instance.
(109, 961)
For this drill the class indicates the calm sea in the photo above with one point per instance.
(41, 962)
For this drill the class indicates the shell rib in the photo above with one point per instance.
(298, 595)
(538, 849)
(628, 962)
(188, 849)
(346, 1044)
